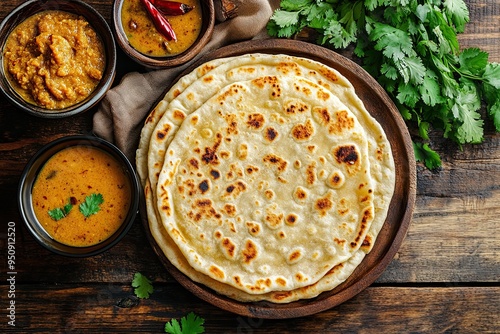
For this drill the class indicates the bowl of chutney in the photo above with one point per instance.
(160, 33)
(78, 196)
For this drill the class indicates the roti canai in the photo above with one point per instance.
(185, 98)
(267, 191)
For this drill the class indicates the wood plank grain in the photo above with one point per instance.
(456, 216)
(113, 308)
(36, 264)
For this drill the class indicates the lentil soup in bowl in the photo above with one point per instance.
(58, 57)
(79, 195)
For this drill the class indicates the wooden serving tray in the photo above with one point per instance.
(400, 211)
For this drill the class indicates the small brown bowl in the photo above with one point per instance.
(98, 23)
(208, 22)
(32, 172)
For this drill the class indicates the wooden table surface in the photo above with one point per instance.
(445, 277)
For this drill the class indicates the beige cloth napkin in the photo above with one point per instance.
(120, 115)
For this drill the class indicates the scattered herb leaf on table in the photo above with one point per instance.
(190, 324)
(143, 286)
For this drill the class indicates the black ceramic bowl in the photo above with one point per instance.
(31, 7)
(29, 176)
(208, 17)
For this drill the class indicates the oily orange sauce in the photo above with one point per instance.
(70, 176)
(54, 59)
(143, 36)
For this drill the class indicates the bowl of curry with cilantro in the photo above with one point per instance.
(79, 195)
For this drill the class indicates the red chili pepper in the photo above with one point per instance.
(171, 7)
(160, 22)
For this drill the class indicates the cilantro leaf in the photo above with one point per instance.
(473, 61)
(319, 15)
(57, 214)
(492, 98)
(492, 74)
(291, 5)
(422, 12)
(173, 327)
(423, 153)
(190, 324)
(142, 285)
(67, 208)
(284, 32)
(450, 85)
(494, 112)
(371, 4)
(430, 89)
(284, 18)
(457, 12)
(412, 70)
(60, 213)
(464, 108)
(471, 131)
(393, 42)
(91, 205)
(408, 94)
(389, 71)
(438, 26)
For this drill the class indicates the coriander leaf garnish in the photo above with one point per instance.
(67, 208)
(190, 324)
(57, 214)
(91, 205)
(412, 49)
(142, 285)
(60, 213)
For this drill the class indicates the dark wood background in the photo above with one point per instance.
(444, 279)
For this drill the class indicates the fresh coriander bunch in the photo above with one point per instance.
(411, 48)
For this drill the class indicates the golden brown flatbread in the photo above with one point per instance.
(191, 93)
(266, 186)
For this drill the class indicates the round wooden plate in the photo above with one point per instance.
(401, 208)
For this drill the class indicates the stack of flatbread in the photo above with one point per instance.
(265, 177)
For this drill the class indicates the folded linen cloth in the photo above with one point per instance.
(120, 115)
